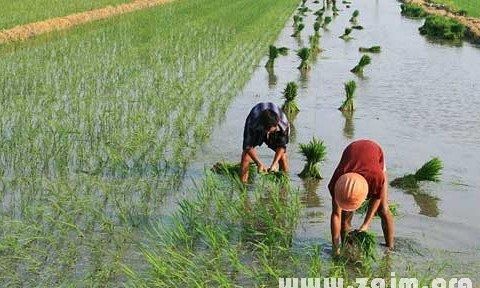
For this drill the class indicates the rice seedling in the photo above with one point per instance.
(413, 10)
(314, 153)
(315, 44)
(319, 12)
(373, 49)
(348, 104)
(346, 34)
(326, 21)
(443, 28)
(357, 27)
(296, 20)
(361, 244)
(303, 10)
(273, 53)
(354, 18)
(304, 2)
(298, 29)
(393, 207)
(364, 61)
(290, 106)
(304, 54)
(430, 171)
(316, 26)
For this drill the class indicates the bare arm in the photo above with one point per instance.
(335, 226)
(252, 152)
(372, 210)
(278, 155)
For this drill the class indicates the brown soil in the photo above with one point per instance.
(473, 24)
(23, 32)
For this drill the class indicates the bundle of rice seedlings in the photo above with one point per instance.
(357, 27)
(362, 244)
(314, 153)
(364, 61)
(354, 17)
(373, 49)
(298, 29)
(315, 43)
(348, 104)
(430, 171)
(319, 12)
(273, 53)
(290, 106)
(304, 55)
(327, 21)
(444, 28)
(346, 34)
(393, 207)
(303, 10)
(296, 20)
(231, 169)
(413, 10)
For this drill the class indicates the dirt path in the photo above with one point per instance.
(23, 32)
(473, 24)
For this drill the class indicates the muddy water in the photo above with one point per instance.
(418, 99)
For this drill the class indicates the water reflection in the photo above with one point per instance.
(349, 126)
(310, 198)
(428, 204)
(272, 77)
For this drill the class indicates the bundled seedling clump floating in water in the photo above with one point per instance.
(346, 34)
(314, 153)
(413, 10)
(430, 171)
(364, 61)
(348, 104)
(298, 29)
(304, 54)
(373, 49)
(354, 18)
(273, 53)
(290, 106)
(443, 28)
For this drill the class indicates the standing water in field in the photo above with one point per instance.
(419, 100)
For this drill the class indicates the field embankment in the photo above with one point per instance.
(98, 124)
(23, 32)
(472, 23)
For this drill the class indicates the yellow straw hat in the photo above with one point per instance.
(351, 191)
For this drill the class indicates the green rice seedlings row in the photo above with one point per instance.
(354, 18)
(373, 49)
(443, 28)
(348, 104)
(273, 53)
(430, 171)
(298, 29)
(314, 153)
(364, 61)
(304, 54)
(315, 43)
(413, 10)
(346, 34)
(290, 106)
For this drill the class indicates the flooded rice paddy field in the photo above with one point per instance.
(418, 99)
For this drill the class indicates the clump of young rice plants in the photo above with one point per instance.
(354, 18)
(314, 152)
(304, 54)
(373, 49)
(297, 19)
(316, 27)
(348, 104)
(364, 61)
(430, 171)
(357, 27)
(273, 53)
(315, 44)
(360, 245)
(319, 13)
(303, 10)
(393, 207)
(231, 169)
(290, 106)
(326, 21)
(346, 2)
(412, 10)
(346, 34)
(443, 28)
(298, 29)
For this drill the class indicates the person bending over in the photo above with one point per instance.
(360, 176)
(266, 123)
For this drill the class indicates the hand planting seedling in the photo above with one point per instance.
(304, 55)
(327, 21)
(290, 106)
(346, 34)
(273, 53)
(430, 171)
(298, 29)
(443, 28)
(360, 244)
(314, 153)
(354, 17)
(413, 10)
(348, 104)
(373, 49)
(364, 61)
